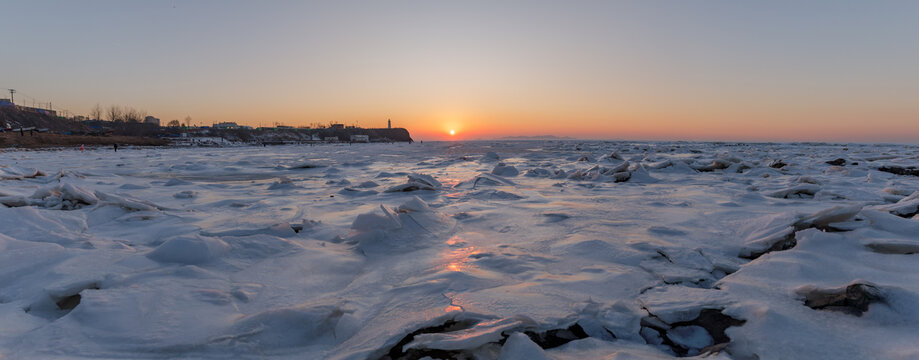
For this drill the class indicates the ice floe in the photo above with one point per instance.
(486, 250)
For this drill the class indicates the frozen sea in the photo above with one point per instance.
(465, 250)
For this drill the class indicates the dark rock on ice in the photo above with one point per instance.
(837, 162)
(69, 303)
(852, 299)
(900, 170)
(305, 166)
(894, 248)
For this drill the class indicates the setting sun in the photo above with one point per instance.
(452, 132)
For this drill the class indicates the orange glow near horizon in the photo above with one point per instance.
(522, 70)
(669, 120)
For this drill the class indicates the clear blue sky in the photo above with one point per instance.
(777, 70)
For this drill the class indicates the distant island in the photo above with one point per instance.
(538, 137)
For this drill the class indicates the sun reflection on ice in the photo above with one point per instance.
(459, 256)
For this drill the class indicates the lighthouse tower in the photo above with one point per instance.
(389, 123)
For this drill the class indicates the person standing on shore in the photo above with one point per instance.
(81, 147)
(116, 147)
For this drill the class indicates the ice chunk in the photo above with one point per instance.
(777, 232)
(126, 203)
(61, 196)
(133, 187)
(692, 337)
(824, 218)
(292, 326)
(484, 179)
(18, 173)
(503, 169)
(185, 194)
(283, 183)
(491, 194)
(417, 182)
(480, 334)
(676, 303)
(519, 347)
(372, 221)
(403, 229)
(282, 229)
(905, 207)
(189, 250)
(368, 184)
(618, 173)
(797, 191)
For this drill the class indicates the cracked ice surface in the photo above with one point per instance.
(513, 250)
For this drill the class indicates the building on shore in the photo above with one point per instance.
(152, 120)
(225, 125)
(360, 138)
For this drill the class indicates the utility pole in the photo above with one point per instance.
(12, 91)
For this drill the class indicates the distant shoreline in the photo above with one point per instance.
(15, 140)
(536, 137)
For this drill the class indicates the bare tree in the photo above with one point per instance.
(114, 113)
(133, 115)
(96, 112)
(129, 115)
(173, 123)
(187, 121)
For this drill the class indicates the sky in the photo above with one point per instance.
(646, 70)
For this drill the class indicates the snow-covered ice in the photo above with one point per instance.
(487, 250)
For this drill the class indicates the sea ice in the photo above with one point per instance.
(601, 249)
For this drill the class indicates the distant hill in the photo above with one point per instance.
(15, 118)
(538, 137)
